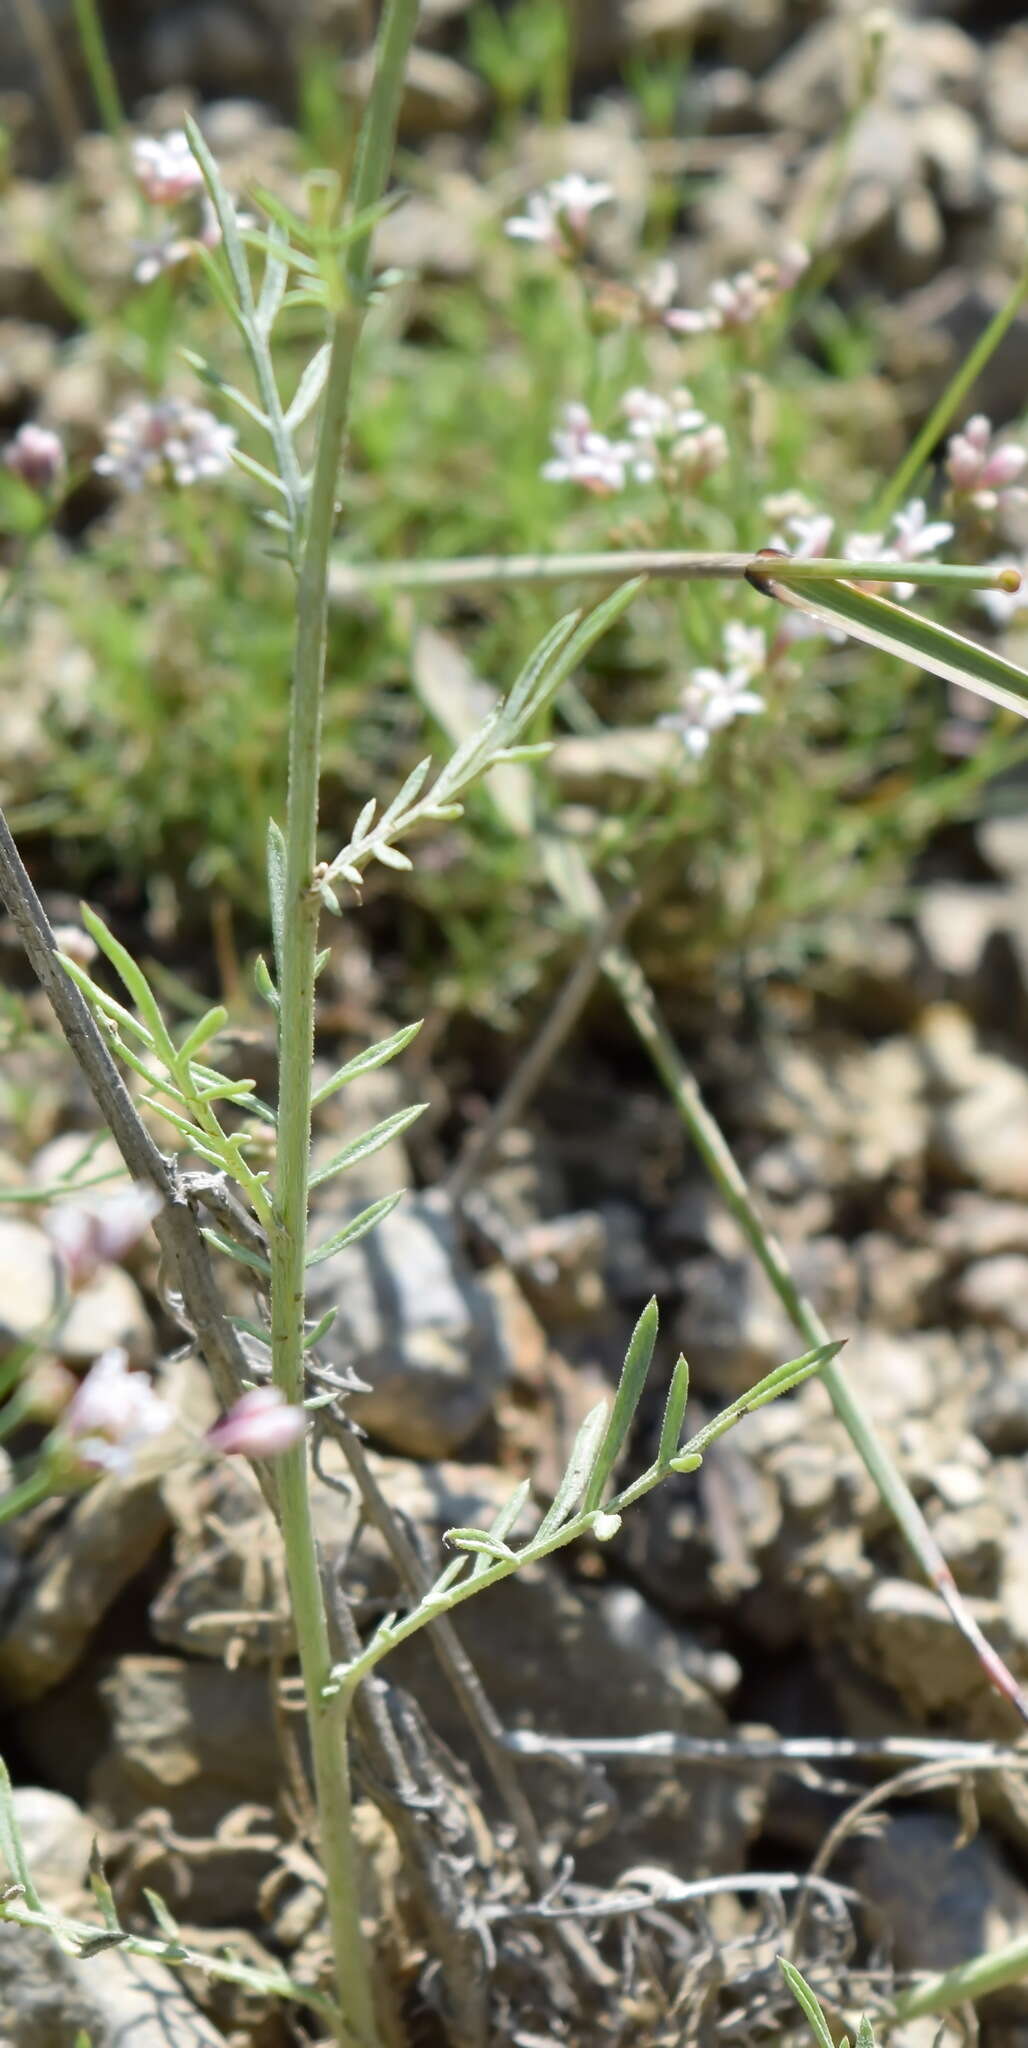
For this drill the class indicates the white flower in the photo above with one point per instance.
(584, 456)
(147, 443)
(711, 698)
(807, 535)
(672, 435)
(165, 168)
(912, 536)
(561, 209)
(112, 1414)
(738, 301)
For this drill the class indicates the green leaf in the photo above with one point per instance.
(674, 1413)
(214, 381)
(591, 629)
(865, 2033)
(580, 1464)
(391, 857)
(808, 2004)
(881, 623)
(101, 1890)
(319, 1329)
(371, 1141)
(309, 389)
(410, 790)
(781, 1381)
(12, 1848)
(364, 1062)
(276, 869)
(274, 282)
(134, 980)
(357, 1227)
(212, 1022)
(502, 1523)
(226, 213)
(163, 1916)
(265, 985)
(481, 1544)
(98, 999)
(626, 1401)
(240, 1252)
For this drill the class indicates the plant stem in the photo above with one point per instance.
(943, 411)
(349, 579)
(31, 1490)
(964, 1983)
(637, 996)
(327, 1718)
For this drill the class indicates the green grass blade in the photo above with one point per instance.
(881, 623)
(674, 1413)
(808, 2004)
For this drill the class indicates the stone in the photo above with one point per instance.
(108, 1535)
(939, 1900)
(980, 1123)
(110, 1310)
(1006, 88)
(200, 1744)
(996, 1290)
(28, 1280)
(438, 93)
(417, 1325)
(48, 1997)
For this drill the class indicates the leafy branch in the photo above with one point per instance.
(486, 1556)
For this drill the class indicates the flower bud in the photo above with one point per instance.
(261, 1424)
(37, 456)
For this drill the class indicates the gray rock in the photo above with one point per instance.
(938, 1900)
(416, 1324)
(48, 1997)
(996, 1291)
(108, 1535)
(109, 1311)
(28, 1280)
(1006, 88)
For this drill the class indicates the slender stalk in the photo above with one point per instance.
(944, 410)
(327, 1718)
(641, 1007)
(27, 1495)
(350, 579)
(99, 67)
(964, 1983)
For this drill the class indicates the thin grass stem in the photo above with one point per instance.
(351, 579)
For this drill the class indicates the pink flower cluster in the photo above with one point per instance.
(736, 302)
(982, 470)
(36, 455)
(169, 177)
(170, 440)
(667, 438)
(558, 217)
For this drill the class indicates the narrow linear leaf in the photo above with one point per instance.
(502, 1524)
(209, 1024)
(865, 2033)
(537, 664)
(580, 1464)
(371, 1141)
(808, 2004)
(229, 225)
(626, 1401)
(195, 1139)
(781, 1381)
(409, 792)
(321, 961)
(309, 389)
(391, 857)
(98, 999)
(260, 473)
(274, 282)
(591, 629)
(364, 1062)
(134, 980)
(674, 1413)
(275, 857)
(101, 1890)
(255, 238)
(358, 1227)
(363, 824)
(12, 1848)
(163, 1916)
(480, 1544)
(881, 623)
(240, 1252)
(265, 985)
(214, 381)
(319, 1329)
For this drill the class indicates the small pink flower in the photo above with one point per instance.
(558, 218)
(112, 1414)
(150, 443)
(88, 1235)
(37, 456)
(261, 1424)
(981, 469)
(165, 168)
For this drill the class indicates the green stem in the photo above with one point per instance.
(964, 1983)
(99, 67)
(641, 1007)
(31, 1490)
(348, 579)
(327, 1717)
(943, 412)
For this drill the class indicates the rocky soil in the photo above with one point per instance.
(882, 1116)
